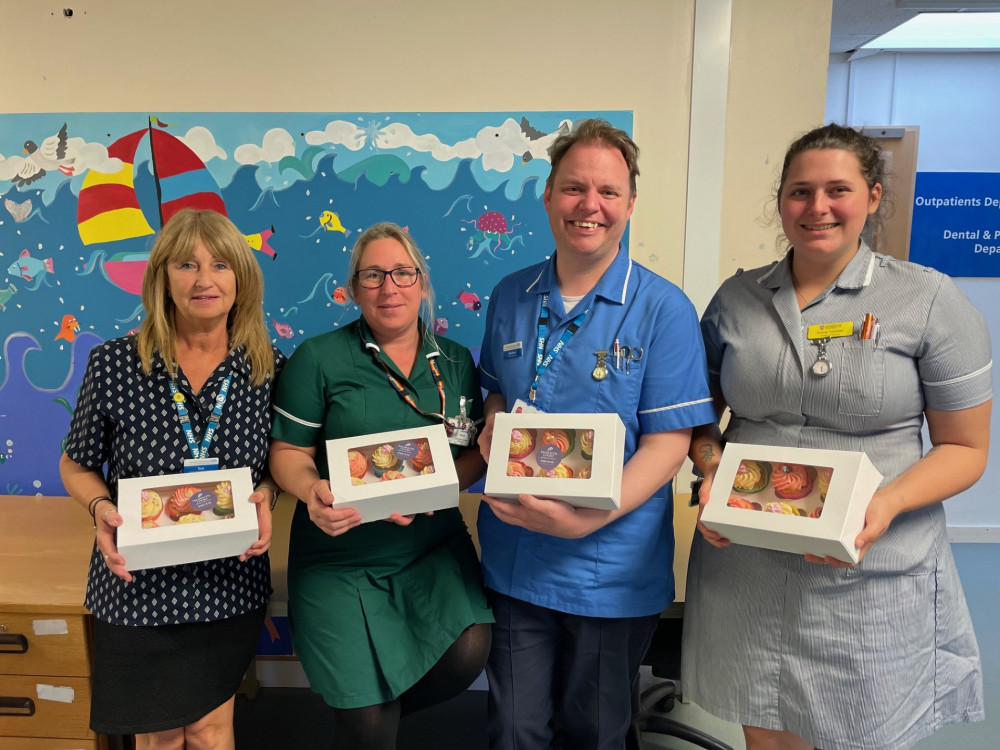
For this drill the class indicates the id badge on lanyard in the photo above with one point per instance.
(200, 460)
(461, 430)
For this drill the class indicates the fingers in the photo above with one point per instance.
(116, 564)
(400, 519)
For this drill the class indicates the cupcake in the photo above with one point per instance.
(561, 471)
(224, 505)
(562, 439)
(522, 442)
(823, 474)
(792, 481)
(423, 458)
(519, 469)
(752, 476)
(388, 476)
(179, 503)
(816, 512)
(428, 469)
(151, 505)
(357, 463)
(190, 518)
(784, 508)
(357, 481)
(587, 444)
(586, 471)
(739, 502)
(150, 524)
(383, 460)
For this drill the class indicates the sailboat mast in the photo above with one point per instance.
(156, 176)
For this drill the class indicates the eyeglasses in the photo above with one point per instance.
(373, 278)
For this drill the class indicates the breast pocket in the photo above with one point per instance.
(862, 378)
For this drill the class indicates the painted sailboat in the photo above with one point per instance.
(108, 209)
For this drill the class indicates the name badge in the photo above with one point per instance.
(200, 464)
(830, 330)
(512, 350)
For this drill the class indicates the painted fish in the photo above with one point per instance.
(340, 296)
(284, 330)
(440, 326)
(470, 300)
(331, 222)
(5, 295)
(68, 328)
(28, 268)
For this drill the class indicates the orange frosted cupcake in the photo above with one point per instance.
(519, 469)
(522, 442)
(357, 463)
(423, 458)
(388, 476)
(792, 481)
(562, 439)
(739, 502)
(179, 503)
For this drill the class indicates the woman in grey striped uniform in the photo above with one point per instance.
(809, 652)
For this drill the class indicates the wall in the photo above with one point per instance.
(952, 98)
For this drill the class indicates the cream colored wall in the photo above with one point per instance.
(777, 90)
(451, 55)
(375, 56)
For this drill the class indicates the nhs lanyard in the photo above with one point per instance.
(197, 451)
(542, 361)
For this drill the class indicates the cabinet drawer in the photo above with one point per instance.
(46, 743)
(57, 712)
(26, 649)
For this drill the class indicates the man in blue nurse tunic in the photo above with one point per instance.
(577, 592)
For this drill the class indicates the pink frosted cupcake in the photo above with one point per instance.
(792, 481)
(388, 476)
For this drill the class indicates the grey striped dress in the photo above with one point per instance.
(867, 658)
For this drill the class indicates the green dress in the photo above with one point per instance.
(372, 610)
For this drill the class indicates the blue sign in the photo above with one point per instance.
(956, 223)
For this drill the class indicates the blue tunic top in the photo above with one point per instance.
(625, 568)
(881, 654)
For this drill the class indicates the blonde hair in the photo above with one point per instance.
(388, 231)
(246, 327)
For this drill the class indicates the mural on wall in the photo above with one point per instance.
(84, 195)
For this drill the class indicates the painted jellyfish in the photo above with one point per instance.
(492, 226)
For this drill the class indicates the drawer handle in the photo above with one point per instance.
(16, 706)
(15, 643)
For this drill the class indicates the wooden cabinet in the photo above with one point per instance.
(45, 635)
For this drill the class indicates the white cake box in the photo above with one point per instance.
(404, 471)
(546, 455)
(183, 518)
(798, 500)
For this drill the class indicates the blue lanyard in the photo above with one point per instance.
(542, 361)
(213, 422)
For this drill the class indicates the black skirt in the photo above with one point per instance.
(150, 679)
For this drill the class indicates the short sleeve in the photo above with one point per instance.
(955, 357)
(299, 400)
(89, 438)
(713, 343)
(674, 391)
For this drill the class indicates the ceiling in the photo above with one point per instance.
(858, 21)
